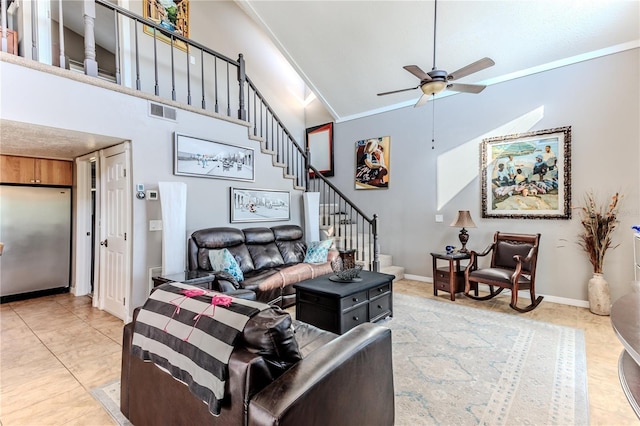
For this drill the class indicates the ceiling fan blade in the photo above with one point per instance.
(398, 91)
(417, 71)
(471, 68)
(423, 100)
(467, 88)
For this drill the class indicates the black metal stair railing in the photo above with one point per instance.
(351, 228)
(183, 70)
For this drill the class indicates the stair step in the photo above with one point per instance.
(386, 260)
(398, 271)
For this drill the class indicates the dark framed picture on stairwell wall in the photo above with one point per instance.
(171, 15)
(372, 163)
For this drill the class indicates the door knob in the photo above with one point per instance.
(104, 243)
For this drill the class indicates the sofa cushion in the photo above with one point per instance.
(261, 245)
(219, 238)
(223, 260)
(270, 334)
(289, 239)
(317, 251)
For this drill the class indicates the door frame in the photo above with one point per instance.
(82, 258)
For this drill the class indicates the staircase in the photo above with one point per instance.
(224, 87)
(339, 225)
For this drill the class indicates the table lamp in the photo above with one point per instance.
(463, 220)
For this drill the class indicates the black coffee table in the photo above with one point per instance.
(338, 307)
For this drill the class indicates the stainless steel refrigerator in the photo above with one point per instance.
(35, 228)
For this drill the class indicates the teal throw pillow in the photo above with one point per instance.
(223, 260)
(317, 251)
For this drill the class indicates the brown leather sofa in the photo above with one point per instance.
(340, 380)
(271, 260)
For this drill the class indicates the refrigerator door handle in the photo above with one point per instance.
(104, 243)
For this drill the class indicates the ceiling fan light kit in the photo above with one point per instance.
(433, 87)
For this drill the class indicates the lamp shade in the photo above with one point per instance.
(463, 220)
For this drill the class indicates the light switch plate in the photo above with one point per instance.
(152, 195)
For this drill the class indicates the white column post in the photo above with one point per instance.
(90, 64)
(63, 60)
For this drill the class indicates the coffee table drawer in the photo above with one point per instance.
(379, 308)
(317, 299)
(375, 292)
(354, 317)
(353, 300)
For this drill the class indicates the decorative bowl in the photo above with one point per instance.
(349, 274)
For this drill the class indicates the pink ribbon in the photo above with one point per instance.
(187, 294)
(216, 300)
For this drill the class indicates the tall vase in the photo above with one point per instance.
(599, 295)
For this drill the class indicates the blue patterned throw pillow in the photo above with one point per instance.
(317, 251)
(223, 260)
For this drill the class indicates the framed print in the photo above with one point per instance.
(256, 205)
(320, 146)
(528, 175)
(372, 163)
(170, 15)
(204, 158)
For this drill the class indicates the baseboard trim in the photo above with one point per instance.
(522, 293)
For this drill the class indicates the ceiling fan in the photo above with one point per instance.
(437, 81)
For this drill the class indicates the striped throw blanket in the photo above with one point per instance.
(190, 332)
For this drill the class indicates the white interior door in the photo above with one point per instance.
(115, 232)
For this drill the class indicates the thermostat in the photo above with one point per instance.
(152, 194)
(140, 187)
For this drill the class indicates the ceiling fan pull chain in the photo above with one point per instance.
(433, 126)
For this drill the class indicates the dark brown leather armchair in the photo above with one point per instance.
(341, 380)
(513, 266)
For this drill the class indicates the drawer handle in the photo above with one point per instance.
(379, 307)
(380, 290)
(355, 299)
(356, 318)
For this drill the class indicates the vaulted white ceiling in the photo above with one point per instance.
(348, 51)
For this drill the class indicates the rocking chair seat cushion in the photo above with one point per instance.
(488, 275)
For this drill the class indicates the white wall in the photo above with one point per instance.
(93, 110)
(605, 156)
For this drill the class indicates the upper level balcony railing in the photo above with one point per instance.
(105, 41)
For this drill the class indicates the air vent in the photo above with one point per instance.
(161, 111)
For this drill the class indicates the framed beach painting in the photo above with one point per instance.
(171, 15)
(257, 205)
(205, 158)
(372, 163)
(527, 175)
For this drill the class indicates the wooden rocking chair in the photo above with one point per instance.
(513, 266)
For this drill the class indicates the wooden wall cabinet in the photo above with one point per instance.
(38, 171)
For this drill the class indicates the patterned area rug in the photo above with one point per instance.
(464, 366)
(109, 396)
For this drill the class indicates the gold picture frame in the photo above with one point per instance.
(174, 19)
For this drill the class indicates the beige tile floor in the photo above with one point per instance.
(55, 349)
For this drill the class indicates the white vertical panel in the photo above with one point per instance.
(173, 201)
